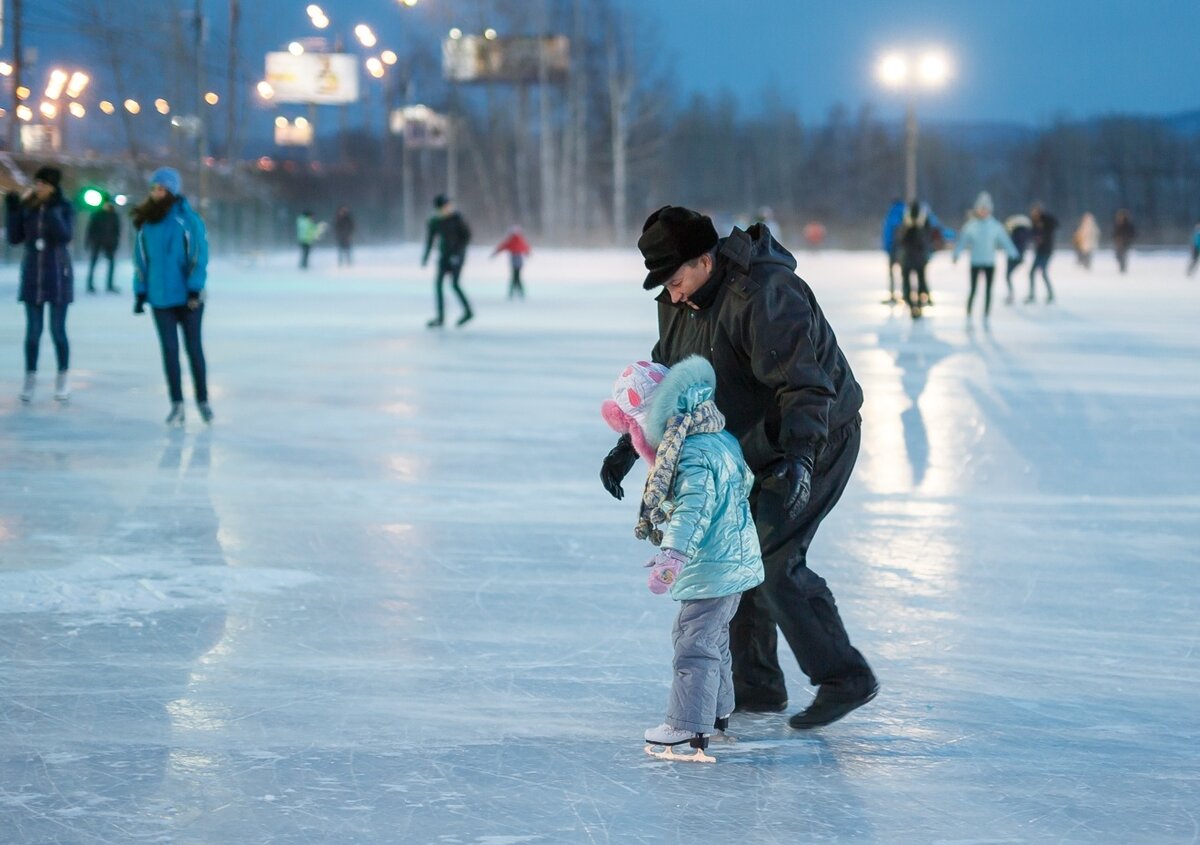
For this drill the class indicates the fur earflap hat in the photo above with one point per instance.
(671, 236)
(49, 175)
(626, 410)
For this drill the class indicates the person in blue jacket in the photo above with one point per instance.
(983, 235)
(1195, 250)
(41, 219)
(696, 508)
(170, 266)
(891, 225)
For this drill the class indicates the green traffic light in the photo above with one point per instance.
(93, 198)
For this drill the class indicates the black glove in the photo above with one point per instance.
(797, 472)
(193, 301)
(617, 464)
(139, 303)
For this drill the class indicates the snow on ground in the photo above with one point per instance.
(385, 599)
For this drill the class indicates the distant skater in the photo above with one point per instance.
(103, 235)
(983, 235)
(696, 509)
(1086, 239)
(307, 233)
(452, 234)
(914, 245)
(1020, 229)
(517, 248)
(1044, 227)
(1195, 250)
(1123, 234)
(891, 224)
(343, 233)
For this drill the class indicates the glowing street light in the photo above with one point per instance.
(211, 98)
(265, 90)
(388, 57)
(132, 106)
(23, 92)
(409, 3)
(281, 121)
(5, 69)
(301, 122)
(489, 34)
(79, 81)
(107, 107)
(48, 110)
(375, 67)
(314, 11)
(898, 71)
(25, 113)
(455, 33)
(77, 109)
(296, 48)
(365, 36)
(162, 106)
(58, 81)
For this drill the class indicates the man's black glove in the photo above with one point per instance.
(193, 300)
(797, 472)
(139, 303)
(617, 464)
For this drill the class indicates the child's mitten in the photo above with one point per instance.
(664, 570)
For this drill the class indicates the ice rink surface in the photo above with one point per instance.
(384, 599)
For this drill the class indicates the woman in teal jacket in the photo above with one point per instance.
(983, 235)
(698, 492)
(170, 261)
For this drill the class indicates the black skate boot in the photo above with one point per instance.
(833, 701)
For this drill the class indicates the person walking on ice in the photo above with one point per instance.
(452, 234)
(696, 508)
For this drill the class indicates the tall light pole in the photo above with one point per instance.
(900, 71)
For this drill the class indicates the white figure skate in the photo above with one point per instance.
(661, 742)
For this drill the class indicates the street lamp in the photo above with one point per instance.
(899, 71)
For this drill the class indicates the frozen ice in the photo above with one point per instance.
(384, 598)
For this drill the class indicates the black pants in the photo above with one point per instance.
(168, 321)
(1013, 264)
(1122, 253)
(908, 271)
(988, 273)
(449, 265)
(304, 250)
(793, 597)
(108, 253)
(343, 254)
(515, 287)
(34, 322)
(1041, 261)
(1195, 260)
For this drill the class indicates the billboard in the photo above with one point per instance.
(321, 78)
(473, 58)
(40, 138)
(293, 134)
(421, 127)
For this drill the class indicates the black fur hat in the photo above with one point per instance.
(671, 236)
(440, 200)
(49, 175)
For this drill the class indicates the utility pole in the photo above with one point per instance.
(14, 123)
(231, 85)
(201, 126)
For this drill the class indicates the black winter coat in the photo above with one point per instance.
(103, 230)
(1043, 234)
(452, 234)
(46, 229)
(783, 383)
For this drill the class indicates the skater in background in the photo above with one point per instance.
(695, 508)
(42, 219)
(103, 235)
(307, 233)
(343, 233)
(1042, 236)
(517, 248)
(452, 235)
(170, 269)
(1195, 250)
(891, 223)
(914, 246)
(1123, 235)
(1020, 230)
(790, 398)
(983, 235)
(1086, 239)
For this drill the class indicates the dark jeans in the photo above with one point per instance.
(1013, 264)
(449, 265)
(988, 274)
(1041, 261)
(304, 250)
(168, 321)
(514, 286)
(1122, 253)
(343, 254)
(34, 317)
(906, 283)
(108, 253)
(793, 597)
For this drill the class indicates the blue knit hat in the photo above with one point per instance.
(169, 178)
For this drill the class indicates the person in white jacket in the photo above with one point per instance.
(983, 235)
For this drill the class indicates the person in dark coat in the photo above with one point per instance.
(44, 221)
(452, 234)
(1123, 234)
(343, 233)
(914, 245)
(103, 236)
(789, 396)
(1020, 230)
(1042, 236)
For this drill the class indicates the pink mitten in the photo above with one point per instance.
(664, 570)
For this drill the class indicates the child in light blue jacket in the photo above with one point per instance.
(696, 508)
(983, 235)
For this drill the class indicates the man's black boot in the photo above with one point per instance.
(833, 701)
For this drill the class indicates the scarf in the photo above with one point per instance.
(151, 210)
(705, 419)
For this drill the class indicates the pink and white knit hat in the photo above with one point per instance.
(626, 410)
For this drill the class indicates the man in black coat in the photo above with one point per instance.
(789, 396)
(103, 236)
(1045, 225)
(452, 234)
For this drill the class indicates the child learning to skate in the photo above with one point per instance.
(695, 508)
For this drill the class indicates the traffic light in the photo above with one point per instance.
(92, 197)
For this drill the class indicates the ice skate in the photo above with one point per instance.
(205, 410)
(661, 742)
(62, 386)
(721, 731)
(29, 386)
(175, 418)
(464, 319)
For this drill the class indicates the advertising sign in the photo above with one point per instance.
(321, 78)
(293, 135)
(421, 127)
(473, 58)
(39, 138)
